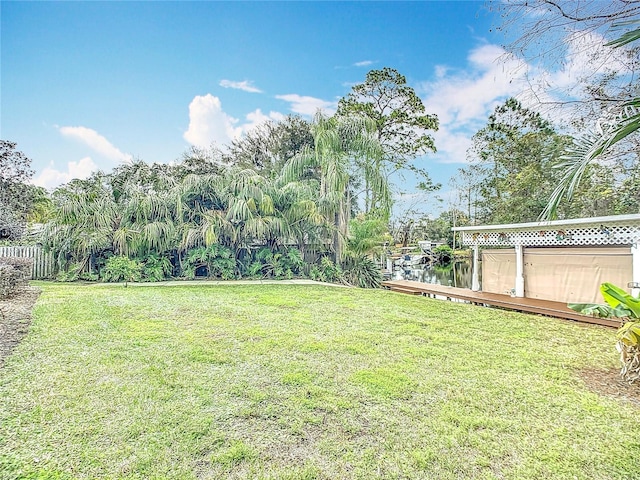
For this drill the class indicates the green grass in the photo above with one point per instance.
(305, 382)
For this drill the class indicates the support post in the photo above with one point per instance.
(475, 282)
(635, 256)
(519, 290)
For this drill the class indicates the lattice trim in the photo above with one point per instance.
(584, 235)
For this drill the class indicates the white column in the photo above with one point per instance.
(475, 283)
(519, 271)
(635, 256)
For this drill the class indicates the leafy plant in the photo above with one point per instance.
(14, 273)
(217, 260)
(443, 254)
(362, 271)
(121, 268)
(326, 271)
(155, 268)
(268, 263)
(620, 304)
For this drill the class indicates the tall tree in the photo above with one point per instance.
(510, 160)
(401, 125)
(340, 146)
(269, 146)
(16, 196)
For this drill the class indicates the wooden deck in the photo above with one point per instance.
(528, 305)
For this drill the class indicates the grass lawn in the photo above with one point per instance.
(305, 382)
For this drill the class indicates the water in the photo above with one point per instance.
(455, 274)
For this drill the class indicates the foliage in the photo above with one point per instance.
(443, 254)
(269, 146)
(155, 268)
(367, 236)
(12, 227)
(620, 304)
(362, 271)
(14, 273)
(401, 123)
(178, 213)
(278, 264)
(512, 174)
(345, 149)
(326, 271)
(15, 192)
(120, 268)
(215, 261)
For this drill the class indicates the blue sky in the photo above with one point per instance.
(87, 85)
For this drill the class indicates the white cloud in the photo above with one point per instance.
(51, 177)
(364, 63)
(244, 85)
(96, 142)
(308, 105)
(256, 118)
(461, 97)
(463, 100)
(208, 123)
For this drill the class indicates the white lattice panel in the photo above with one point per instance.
(577, 235)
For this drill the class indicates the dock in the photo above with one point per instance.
(527, 305)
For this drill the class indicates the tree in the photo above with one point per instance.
(340, 145)
(268, 147)
(15, 193)
(602, 37)
(510, 158)
(620, 124)
(401, 125)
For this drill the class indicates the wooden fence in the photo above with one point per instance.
(42, 262)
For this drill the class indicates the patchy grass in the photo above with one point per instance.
(305, 382)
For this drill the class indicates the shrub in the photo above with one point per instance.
(362, 271)
(443, 253)
(14, 273)
(217, 260)
(121, 268)
(626, 307)
(326, 271)
(155, 268)
(268, 263)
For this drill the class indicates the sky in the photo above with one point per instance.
(89, 85)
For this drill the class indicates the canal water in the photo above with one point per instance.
(455, 274)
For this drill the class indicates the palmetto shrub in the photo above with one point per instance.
(14, 273)
(326, 271)
(276, 264)
(215, 261)
(362, 271)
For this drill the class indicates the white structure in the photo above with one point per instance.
(619, 230)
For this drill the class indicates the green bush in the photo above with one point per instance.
(326, 271)
(217, 260)
(270, 264)
(14, 273)
(121, 268)
(626, 307)
(155, 268)
(362, 271)
(443, 253)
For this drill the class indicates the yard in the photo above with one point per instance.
(308, 382)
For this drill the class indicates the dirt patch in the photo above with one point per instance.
(610, 383)
(15, 318)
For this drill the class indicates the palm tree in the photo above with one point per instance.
(598, 143)
(340, 144)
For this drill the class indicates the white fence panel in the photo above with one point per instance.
(42, 262)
